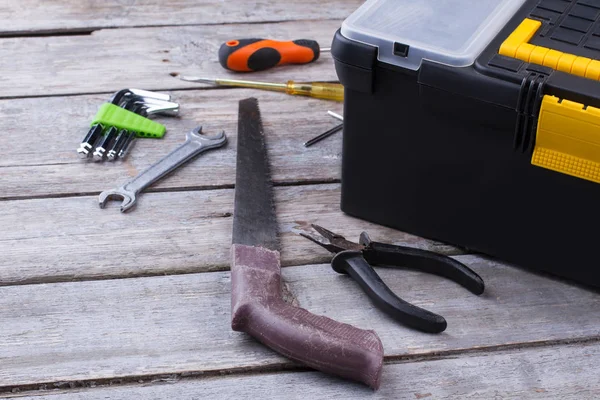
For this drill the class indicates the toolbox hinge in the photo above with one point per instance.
(528, 110)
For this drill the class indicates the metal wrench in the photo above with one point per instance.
(194, 144)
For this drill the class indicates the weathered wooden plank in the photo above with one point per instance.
(71, 238)
(558, 372)
(39, 138)
(141, 327)
(112, 59)
(35, 16)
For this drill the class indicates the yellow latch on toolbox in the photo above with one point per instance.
(568, 138)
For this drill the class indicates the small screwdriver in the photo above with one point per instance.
(319, 90)
(246, 55)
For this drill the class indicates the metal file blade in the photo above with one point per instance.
(254, 219)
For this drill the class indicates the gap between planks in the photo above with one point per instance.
(259, 373)
(567, 372)
(175, 325)
(169, 190)
(91, 30)
(31, 17)
(62, 64)
(167, 233)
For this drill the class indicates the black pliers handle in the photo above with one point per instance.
(355, 260)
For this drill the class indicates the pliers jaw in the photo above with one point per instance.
(331, 241)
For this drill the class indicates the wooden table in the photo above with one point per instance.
(95, 304)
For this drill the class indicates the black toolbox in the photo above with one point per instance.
(477, 123)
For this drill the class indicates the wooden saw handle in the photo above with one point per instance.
(319, 342)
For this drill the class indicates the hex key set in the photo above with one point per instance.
(123, 118)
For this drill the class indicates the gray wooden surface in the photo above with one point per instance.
(99, 305)
(144, 327)
(566, 372)
(180, 232)
(36, 16)
(288, 121)
(148, 57)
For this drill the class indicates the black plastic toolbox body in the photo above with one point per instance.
(446, 152)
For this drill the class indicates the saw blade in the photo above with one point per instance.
(254, 219)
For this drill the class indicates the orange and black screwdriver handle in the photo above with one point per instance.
(247, 55)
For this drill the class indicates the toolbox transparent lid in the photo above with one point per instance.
(452, 32)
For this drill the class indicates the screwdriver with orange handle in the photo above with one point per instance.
(247, 55)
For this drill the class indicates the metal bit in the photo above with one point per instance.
(335, 115)
(323, 135)
(126, 145)
(89, 140)
(327, 133)
(117, 144)
(122, 145)
(143, 106)
(104, 142)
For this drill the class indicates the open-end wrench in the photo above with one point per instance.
(194, 144)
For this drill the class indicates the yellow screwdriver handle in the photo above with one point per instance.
(319, 90)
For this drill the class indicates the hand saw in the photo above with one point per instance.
(257, 305)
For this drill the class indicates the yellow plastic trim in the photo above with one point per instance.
(551, 59)
(517, 46)
(565, 63)
(568, 139)
(521, 35)
(580, 65)
(538, 54)
(593, 70)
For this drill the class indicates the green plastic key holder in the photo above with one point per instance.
(113, 115)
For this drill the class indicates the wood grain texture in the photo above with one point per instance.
(167, 233)
(40, 137)
(112, 59)
(129, 328)
(510, 342)
(34, 16)
(558, 372)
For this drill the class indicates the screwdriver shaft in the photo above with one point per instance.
(279, 87)
(319, 90)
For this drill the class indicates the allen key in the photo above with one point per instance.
(335, 115)
(328, 133)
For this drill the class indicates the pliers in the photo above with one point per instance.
(355, 259)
